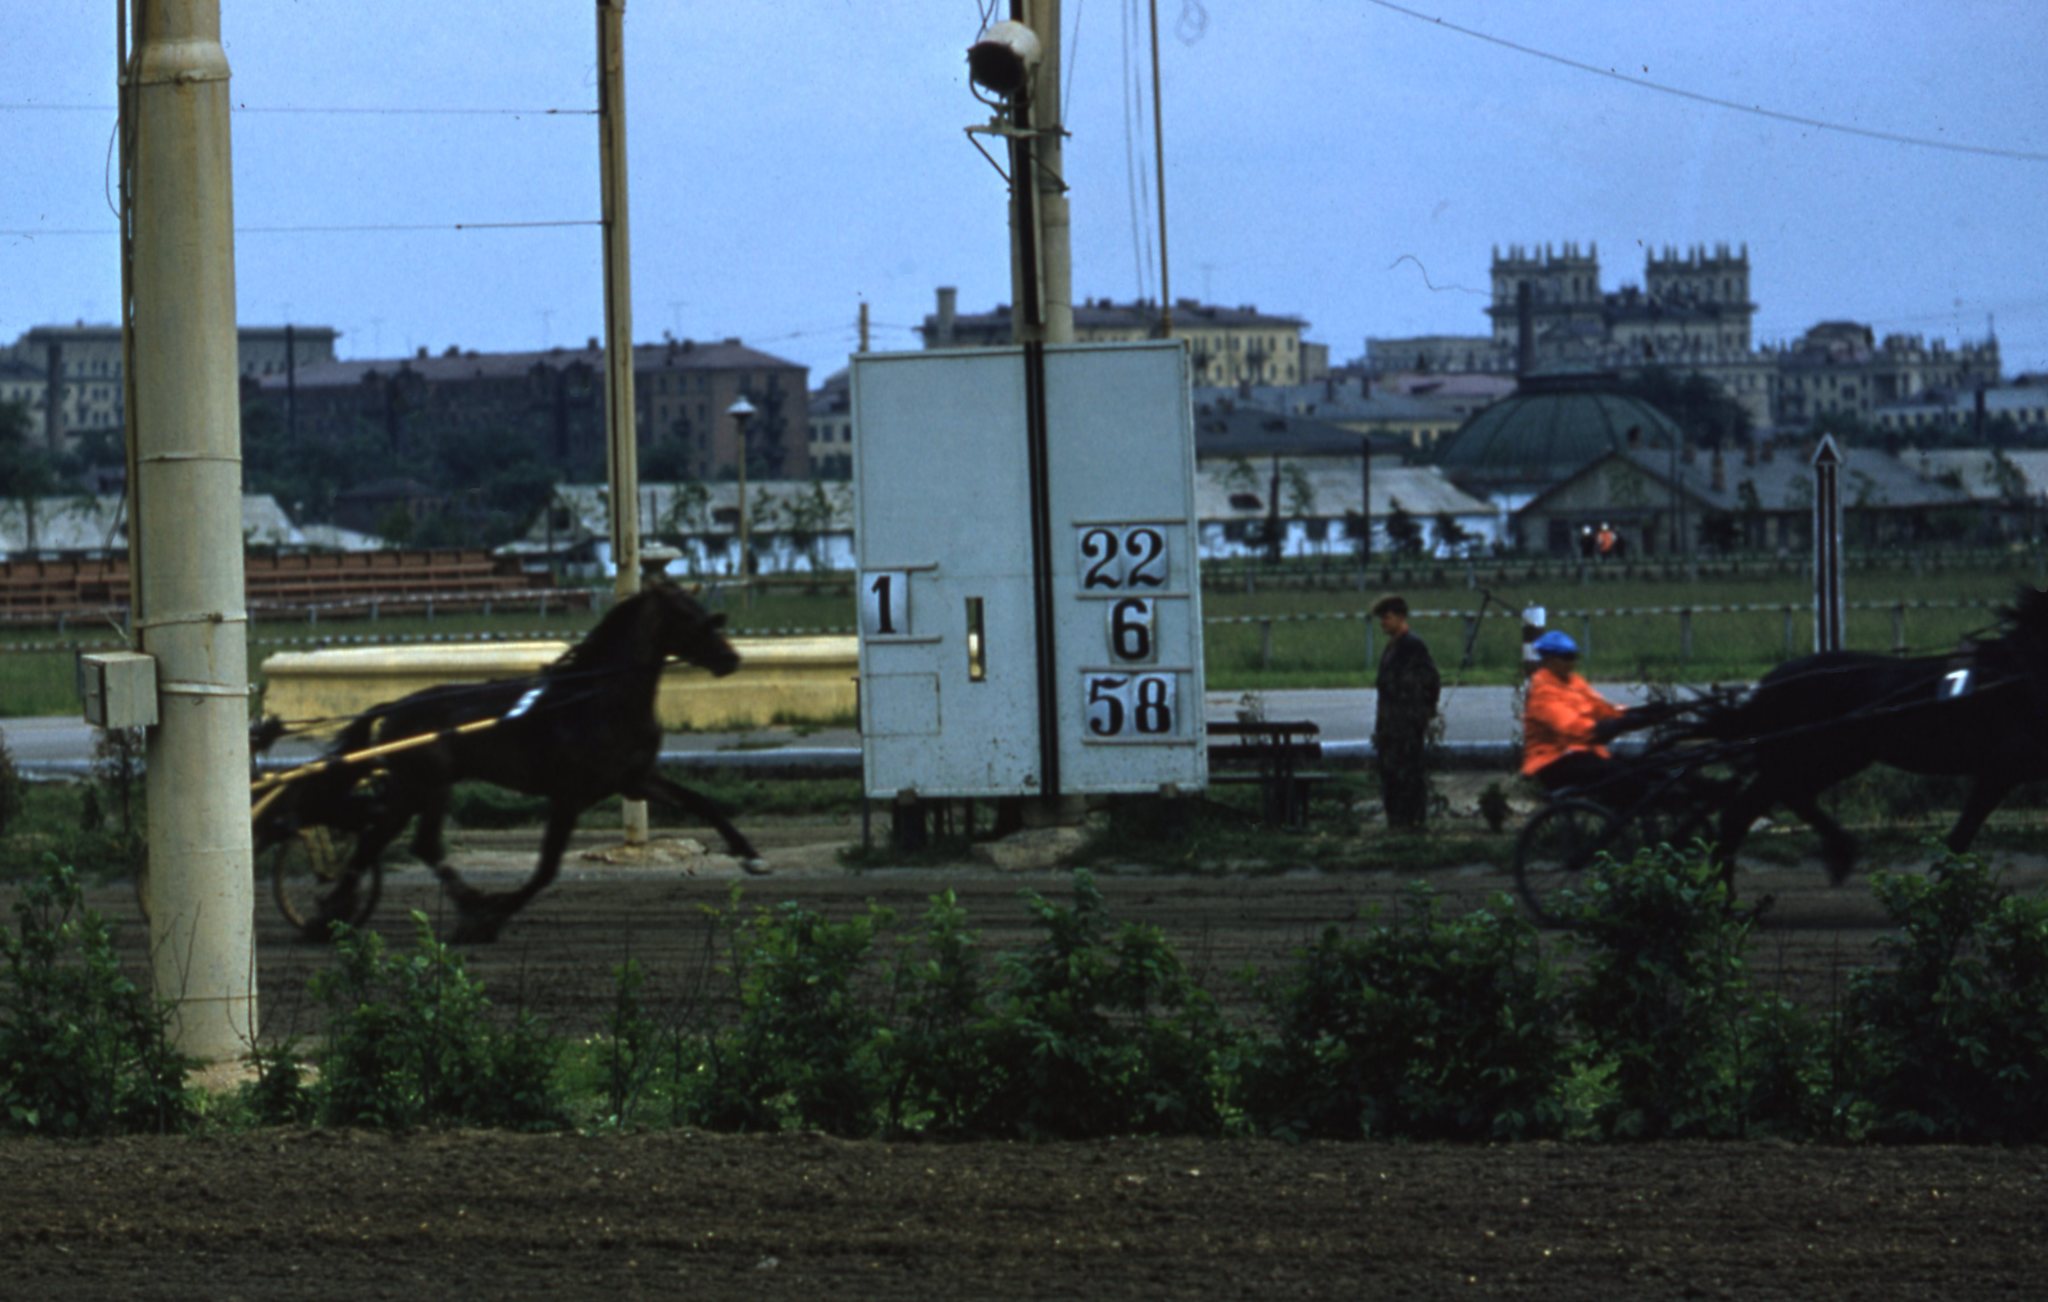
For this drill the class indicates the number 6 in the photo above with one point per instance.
(1130, 628)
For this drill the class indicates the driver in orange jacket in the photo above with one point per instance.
(1565, 722)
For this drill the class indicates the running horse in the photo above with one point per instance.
(1814, 722)
(582, 729)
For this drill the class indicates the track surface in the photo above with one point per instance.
(289, 1214)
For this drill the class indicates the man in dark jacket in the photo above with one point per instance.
(1408, 688)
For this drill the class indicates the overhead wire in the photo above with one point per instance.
(1736, 106)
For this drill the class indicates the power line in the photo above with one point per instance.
(334, 230)
(1644, 83)
(387, 111)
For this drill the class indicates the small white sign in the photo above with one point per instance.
(885, 604)
(1130, 706)
(1117, 558)
(1131, 639)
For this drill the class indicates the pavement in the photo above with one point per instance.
(1479, 718)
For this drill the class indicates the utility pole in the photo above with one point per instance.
(198, 891)
(1828, 606)
(622, 450)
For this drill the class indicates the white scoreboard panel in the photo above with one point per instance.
(950, 685)
(1121, 447)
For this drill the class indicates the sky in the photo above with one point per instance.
(1343, 161)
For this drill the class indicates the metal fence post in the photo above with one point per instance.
(1586, 635)
(1899, 628)
(1788, 632)
(1265, 644)
(1685, 635)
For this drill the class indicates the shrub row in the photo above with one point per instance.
(1409, 1024)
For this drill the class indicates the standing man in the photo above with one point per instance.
(1408, 688)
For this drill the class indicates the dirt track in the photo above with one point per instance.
(327, 1214)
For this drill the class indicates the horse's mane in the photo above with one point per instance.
(603, 644)
(2027, 617)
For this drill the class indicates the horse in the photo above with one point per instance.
(1816, 721)
(582, 729)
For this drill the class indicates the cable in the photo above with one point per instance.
(333, 111)
(1892, 137)
(332, 230)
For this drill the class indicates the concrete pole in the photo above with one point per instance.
(1055, 225)
(199, 890)
(622, 449)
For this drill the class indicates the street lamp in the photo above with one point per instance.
(741, 411)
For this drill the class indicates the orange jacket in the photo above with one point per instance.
(1558, 719)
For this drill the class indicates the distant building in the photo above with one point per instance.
(1227, 345)
(82, 363)
(831, 427)
(682, 390)
(1549, 428)
(1664, 505)
(1359, 406)
(1693, 315)
(1838, 368)
(792, 527)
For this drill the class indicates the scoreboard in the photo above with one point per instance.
(1002, 628)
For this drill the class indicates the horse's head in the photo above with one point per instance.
(684, 630)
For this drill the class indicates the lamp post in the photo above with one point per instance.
(742, 411)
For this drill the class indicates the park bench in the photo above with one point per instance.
(1274, 756)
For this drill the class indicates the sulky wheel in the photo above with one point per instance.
(309, 878)
(1557, 846)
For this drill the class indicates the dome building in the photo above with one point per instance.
(1549, 427)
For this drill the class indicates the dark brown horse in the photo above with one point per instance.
(582, 729)
(1814, 722)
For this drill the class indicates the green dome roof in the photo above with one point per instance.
(1550, 427)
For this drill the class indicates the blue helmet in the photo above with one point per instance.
(1556, 643)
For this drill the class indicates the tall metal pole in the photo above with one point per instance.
(1159, 182)
(622, 451)
(198, 891)
(1828, 606)
(741, 412)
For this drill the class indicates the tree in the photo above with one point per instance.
(1450, 535)
(1403, 530)
(27, 472)
(1704, 412)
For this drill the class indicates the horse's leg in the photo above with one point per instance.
(1738, 814)
(1986, 794)
(707, 809)
(1837, 847)
(480, 916)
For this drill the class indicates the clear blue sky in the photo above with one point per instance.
(793, 158)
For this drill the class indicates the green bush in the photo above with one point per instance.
(13, 791)
(1420, 1027)
(412, 1041)
(804, 1051)
(931, 1051)
(1951, 1037)
(83, 1049)
(1674, 1042)
(1095, 1032)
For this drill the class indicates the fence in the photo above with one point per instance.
(1341, 573)
(1794, 622)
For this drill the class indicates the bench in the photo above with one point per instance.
(1272, 756)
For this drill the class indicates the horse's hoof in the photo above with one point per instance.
(476, 929)
(755, 866)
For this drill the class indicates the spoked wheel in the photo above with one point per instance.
(309, 878)
(1558, 844)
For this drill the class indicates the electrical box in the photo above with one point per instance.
(1011, 624)
(118, 688)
